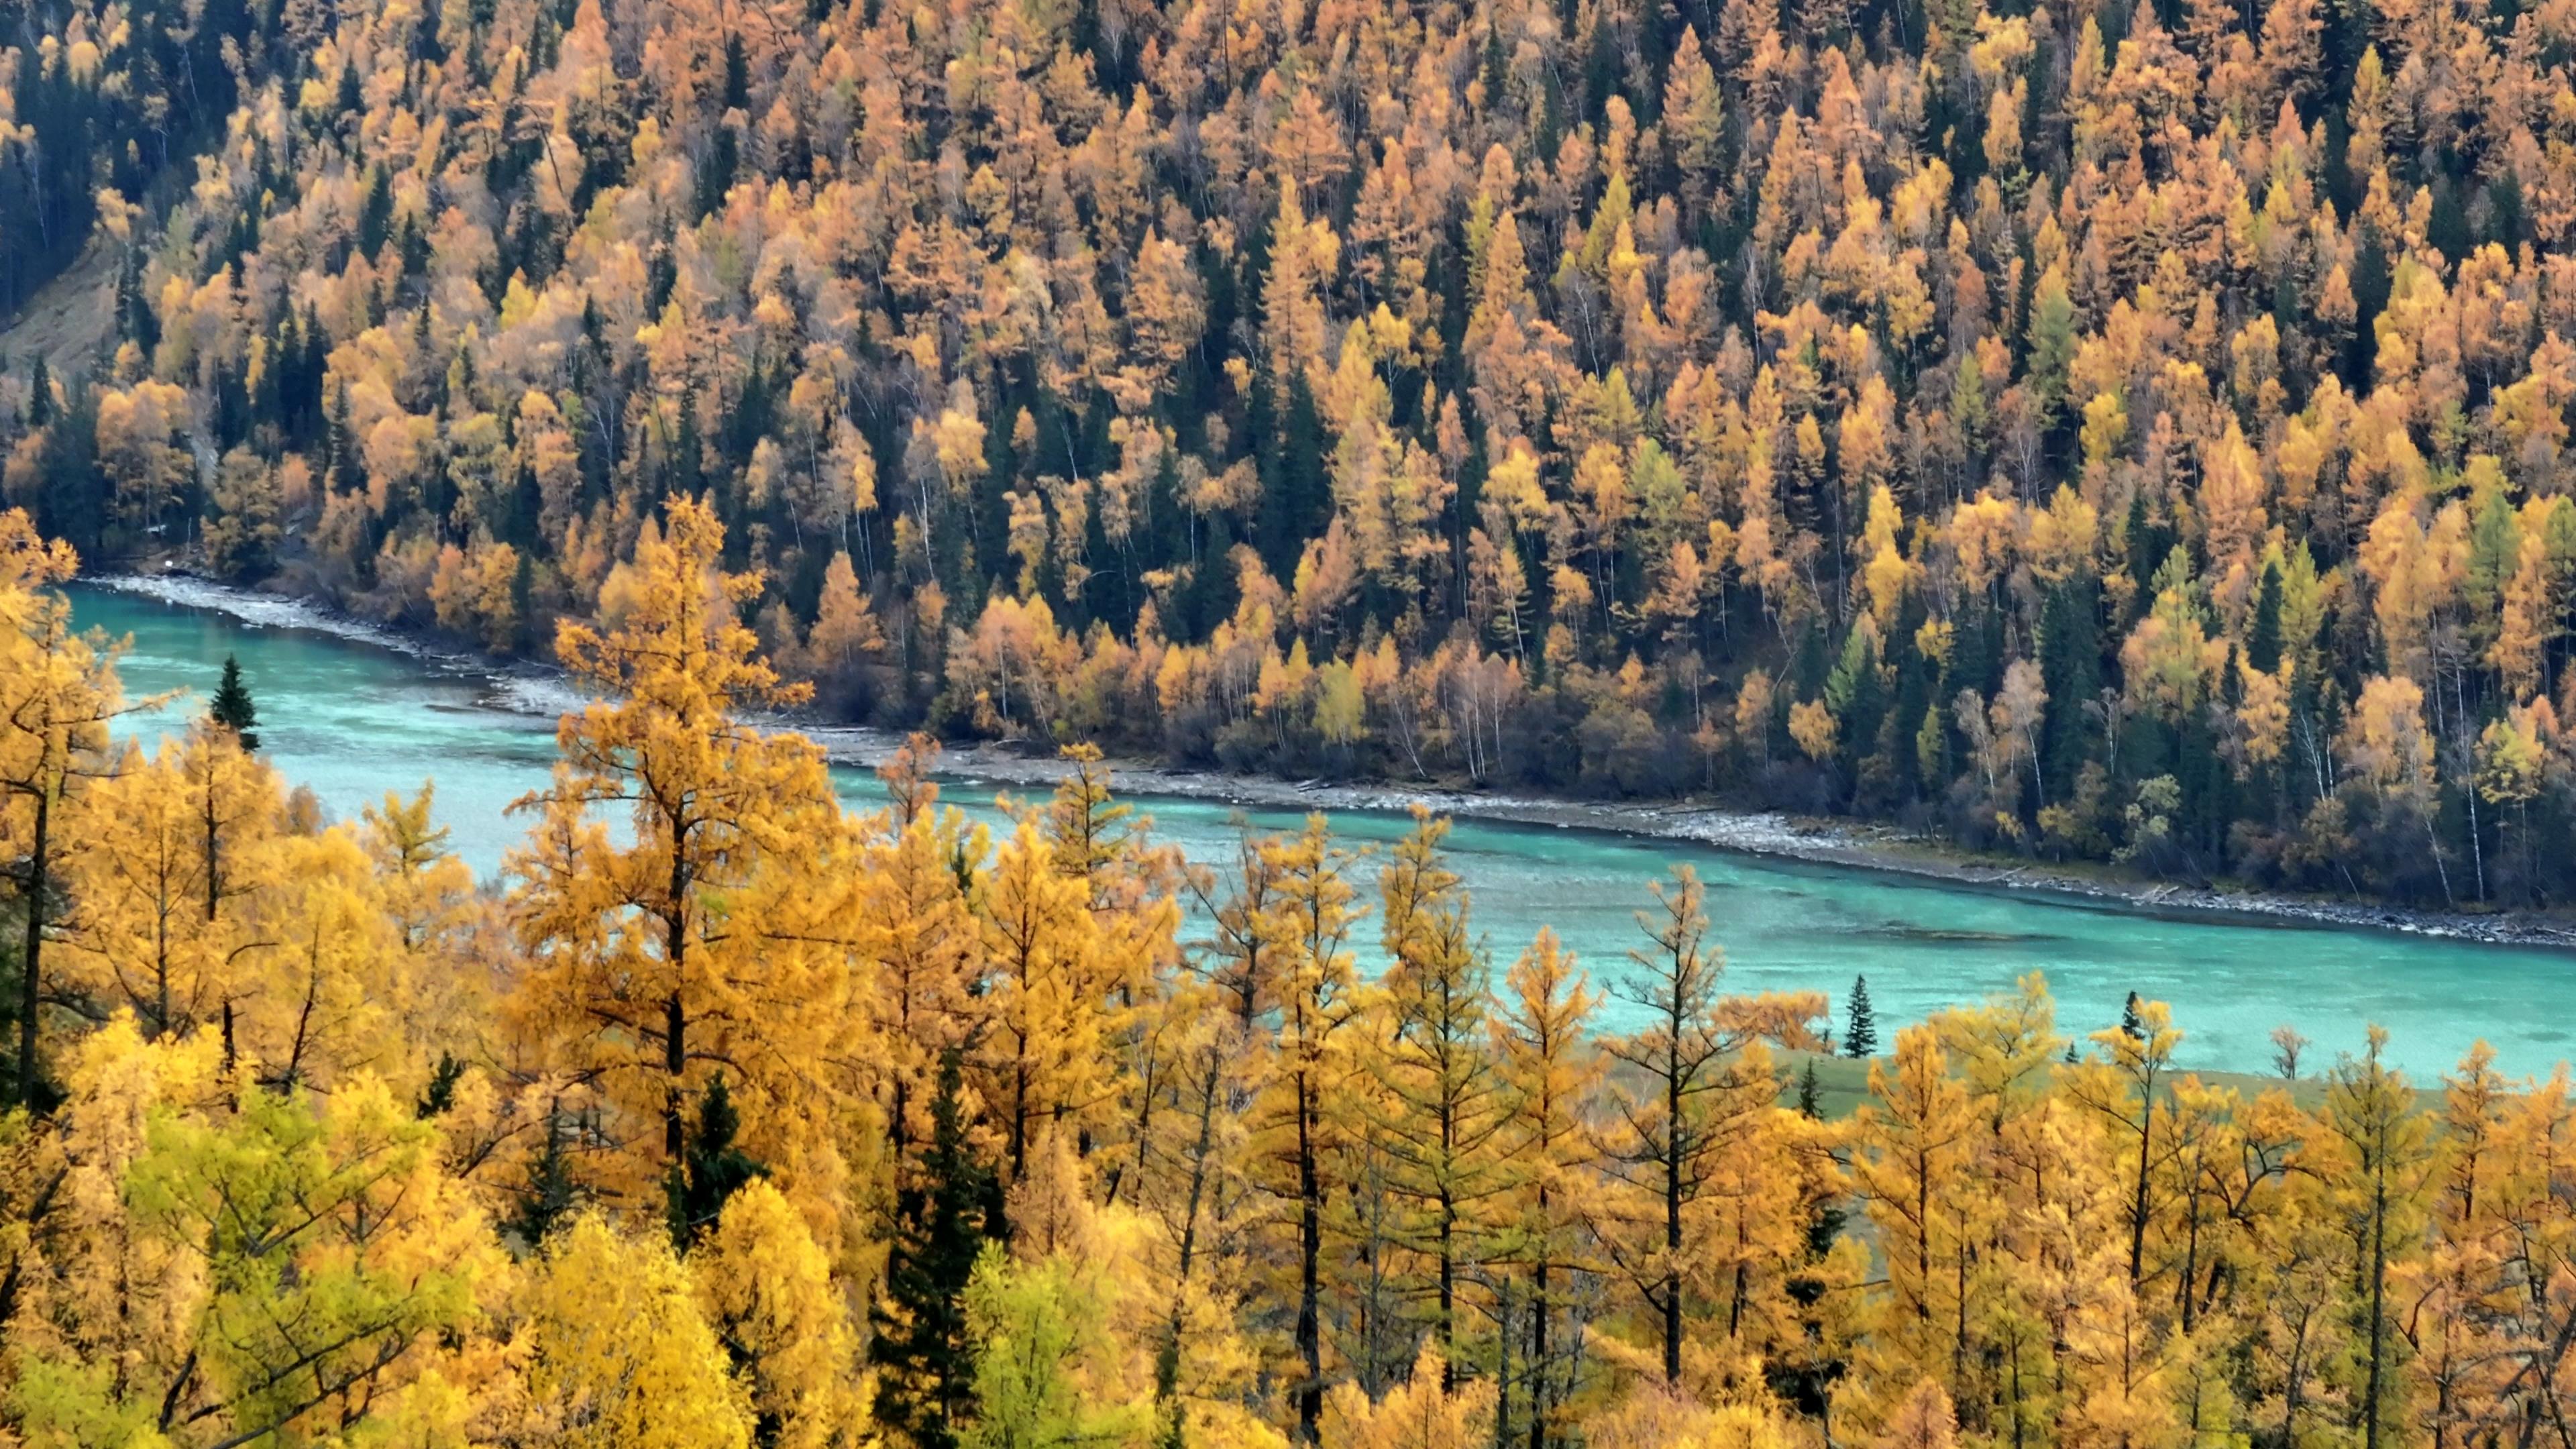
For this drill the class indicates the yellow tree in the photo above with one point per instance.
(1044, 993)
(2121, 1086)
(1244, 963)
(765, 1287)
(232, 799)
(174, 848)
(1692, 1094)
(1307, 931)
(2376, 1156)
(1552, 1073)
(325, 991)
(427, 895)
(1923, 1421)
(1912, 1158)
(311, 1259)
(619, 1354)
(2457, 1303)
(1428, 1412)
(1132, 890)
(97, 1307)
(58, 691)
(919, 942)
(1187, 1180)
(639, 968)
(1437, 1066)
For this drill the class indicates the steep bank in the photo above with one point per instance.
(540, 691)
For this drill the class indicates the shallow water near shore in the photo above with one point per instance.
(353, 718)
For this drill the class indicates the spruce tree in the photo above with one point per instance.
(711, 1170)
(2070, 662)
(1809, 666)
(943, 1219)
(71, 491)
(1806, 1373)
(737, 74)
(1854, 691)
(441, 1093)
(232, 706)
(1860, 1031)
(1296, 495)
(376, 214)
(2129, 1019)
(2263, 641)
(551, 1192)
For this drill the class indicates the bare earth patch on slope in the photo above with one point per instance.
(71, 322)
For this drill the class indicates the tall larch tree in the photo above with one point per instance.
(640, 975)
(60, 695)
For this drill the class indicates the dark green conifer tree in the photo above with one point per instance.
(375, 213)
(712, 1169)
(232, 707)
(551, 1191)
(1296, 497)
(1860, 1029)
(40, 395)
(2263, 640)
(2070, 665)
(441, 1093)
(943, 1219)
(71, 496)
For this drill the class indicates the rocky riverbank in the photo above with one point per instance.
(537, 690)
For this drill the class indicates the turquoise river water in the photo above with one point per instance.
(353, 719)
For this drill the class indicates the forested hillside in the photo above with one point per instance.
(732, 1118)
(2109, 431)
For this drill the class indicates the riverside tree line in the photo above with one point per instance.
(728, 1116)
(2100, 430)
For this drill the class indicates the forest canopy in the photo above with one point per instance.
(757, 1121)
(2108, 431)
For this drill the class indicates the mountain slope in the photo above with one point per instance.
(2113, 432)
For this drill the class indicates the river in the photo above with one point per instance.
(353, 718)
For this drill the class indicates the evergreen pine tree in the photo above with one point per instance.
(71, 493)
(2263, 641)
(551, 1192)
(2070, 662)
(40, 395)
(737, 74)
(943, 1219)
(2147, 546)
(716, 174)
(352, 99)
(711, 1170)
(441, 1093)
(1860, 1032)
(232, 707)
(1856, 695)
(375, 213)
(2129, 1019)
(1806, 1373)
(134, 318)
(1809, 666)
(1296, 496)
(687, 467)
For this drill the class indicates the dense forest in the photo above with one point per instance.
(2116, 431)
(732, 1118)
